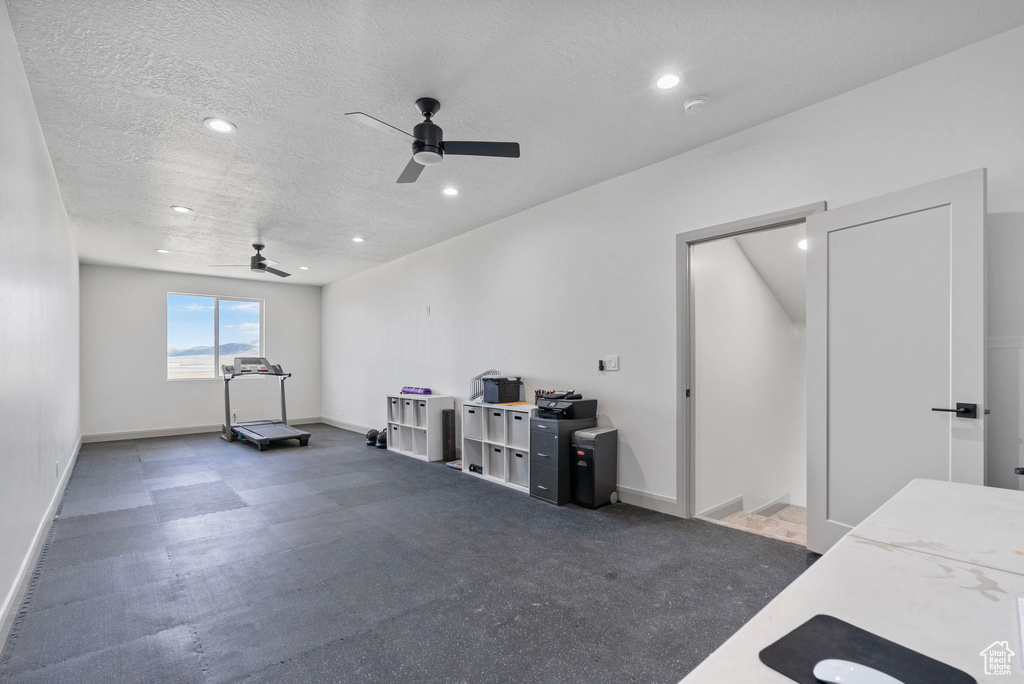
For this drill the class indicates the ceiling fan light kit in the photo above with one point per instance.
(428, 144)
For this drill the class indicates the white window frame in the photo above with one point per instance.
(218, 375)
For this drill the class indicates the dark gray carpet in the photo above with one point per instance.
(188, 559)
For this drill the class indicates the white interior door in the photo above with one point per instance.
(895, 329)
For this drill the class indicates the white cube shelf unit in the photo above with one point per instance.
(497, 439)
(414, 424)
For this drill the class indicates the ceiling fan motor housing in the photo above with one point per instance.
(426, 148)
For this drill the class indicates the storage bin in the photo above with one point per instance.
(495, 462)
(494, 420)
(420, 413)
(419, 442)
(394, 438)
(472, 422)
(519, 467)
(408, 411)
(518, 428)
(406, 437)
(499, 389)
(394, 410)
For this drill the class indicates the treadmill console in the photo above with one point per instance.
(251, 365)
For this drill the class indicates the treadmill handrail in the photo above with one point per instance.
(229, 376)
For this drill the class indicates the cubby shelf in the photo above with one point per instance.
(497, 439)
(414, 424)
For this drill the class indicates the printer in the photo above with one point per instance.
(564, 408)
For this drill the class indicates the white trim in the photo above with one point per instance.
(343, 425)
(723, 509)
(772, 507)
(686, 411)
(648, 500)
(9, 608)
(172, 431)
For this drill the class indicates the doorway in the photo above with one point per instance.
(743, 305)
(750, 381)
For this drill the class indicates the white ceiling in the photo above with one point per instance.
(776, 256)
(122, 87)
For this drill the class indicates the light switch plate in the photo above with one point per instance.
(611, 363)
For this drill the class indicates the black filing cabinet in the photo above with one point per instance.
(550, 457)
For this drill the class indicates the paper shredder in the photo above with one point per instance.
(595, 465)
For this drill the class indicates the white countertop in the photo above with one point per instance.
(938, 569)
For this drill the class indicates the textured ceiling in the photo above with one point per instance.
(122, 87)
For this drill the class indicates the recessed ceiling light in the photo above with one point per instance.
(164, 251)
(219, 125)
(667, 81)
(358, 239)
(451, 192)
(802, 244)
(695, 104)
(180, 209)
(303, 268)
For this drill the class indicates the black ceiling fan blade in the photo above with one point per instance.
(411, 172)
(270, 269)
(372, 122)
(481, 149)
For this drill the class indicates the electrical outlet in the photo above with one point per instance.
(611, 363)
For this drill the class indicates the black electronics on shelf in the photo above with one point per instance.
(566, 409)
(502, 389)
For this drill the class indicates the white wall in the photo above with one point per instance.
(38, 326)
(751, 385)
(548, 291)
(124, 362)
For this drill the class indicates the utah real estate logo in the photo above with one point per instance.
(998, 657)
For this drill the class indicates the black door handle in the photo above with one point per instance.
(962, 410)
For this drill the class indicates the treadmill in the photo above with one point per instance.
(259, 432)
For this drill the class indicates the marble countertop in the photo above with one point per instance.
(938, 569)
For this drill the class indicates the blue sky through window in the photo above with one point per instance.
(189, 321)
(191, 334)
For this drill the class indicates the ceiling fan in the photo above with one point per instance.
(257, 263)
(428, 144)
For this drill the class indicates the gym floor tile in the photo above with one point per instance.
(106, 504)
(344, 563)
(225, 548)
(191, 500)
(292, 490)
(169, 481)
(170, 655)
(66, 528)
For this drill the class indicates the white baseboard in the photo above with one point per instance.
(172, 431)
(12, 602)
(723, 509)
(343, 425)
(773, 506)
(654, 502)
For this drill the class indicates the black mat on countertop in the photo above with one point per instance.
(824, 636)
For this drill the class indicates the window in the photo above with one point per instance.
(202, 330)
